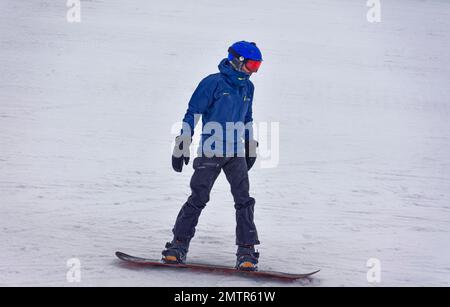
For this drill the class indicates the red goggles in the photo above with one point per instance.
(252, 65)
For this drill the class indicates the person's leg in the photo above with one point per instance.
(206, 172)
(246, 235)
(236, 172)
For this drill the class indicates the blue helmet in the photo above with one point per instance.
(245, 57)
(246, 50)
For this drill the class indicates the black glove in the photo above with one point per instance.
(181, 152)
(250, 152)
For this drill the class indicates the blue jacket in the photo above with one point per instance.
(223, 97)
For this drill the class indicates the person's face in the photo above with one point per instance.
(251, 66)
(245, 69)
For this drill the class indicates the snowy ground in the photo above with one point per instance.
(86, 112)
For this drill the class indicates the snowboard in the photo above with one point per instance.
(212, 268)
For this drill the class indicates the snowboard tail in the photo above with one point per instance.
(212, 268)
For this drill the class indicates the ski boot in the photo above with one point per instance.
(247, 258)
(175, 252)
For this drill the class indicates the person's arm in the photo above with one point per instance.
(198, 104)
(248, 121)
(250, 143)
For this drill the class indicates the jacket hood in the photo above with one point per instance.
(237, 78)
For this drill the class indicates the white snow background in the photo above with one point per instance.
(86, 111)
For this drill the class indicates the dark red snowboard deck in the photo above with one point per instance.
(213, 268)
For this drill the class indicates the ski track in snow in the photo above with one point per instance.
(85, 117)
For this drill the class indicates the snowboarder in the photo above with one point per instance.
(222, 99)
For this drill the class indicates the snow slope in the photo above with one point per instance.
(86, 112)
